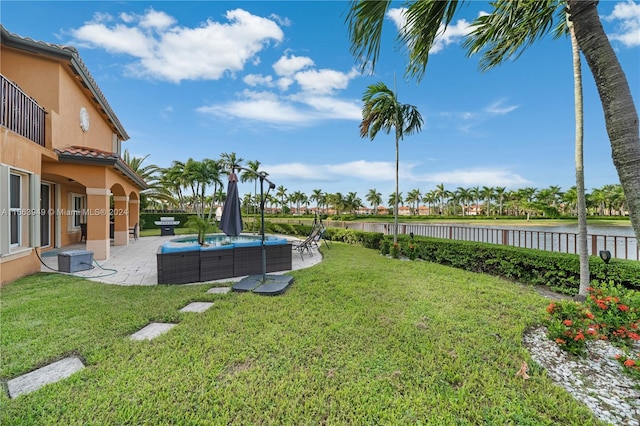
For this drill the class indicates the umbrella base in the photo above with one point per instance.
(273, 285)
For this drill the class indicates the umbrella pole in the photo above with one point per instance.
(264, 252)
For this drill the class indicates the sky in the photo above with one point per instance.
(275, 81)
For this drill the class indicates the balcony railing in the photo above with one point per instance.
(21, 113)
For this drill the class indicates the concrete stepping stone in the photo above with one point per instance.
(151, 331)
(43, 376)
(197, 307)
(219, 290)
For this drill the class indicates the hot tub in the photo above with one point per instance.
(183, 260)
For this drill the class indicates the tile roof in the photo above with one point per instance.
(86, 152)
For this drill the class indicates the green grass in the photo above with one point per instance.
(357, 339)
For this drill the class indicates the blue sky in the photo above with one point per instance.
(275, 82)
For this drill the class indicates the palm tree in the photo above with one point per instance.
(317, 196)
(414, 196)
(499, 196)
(523, 23)
(230, 161)
(487, 193)
(375, 199)
(252, 176)
(281, 192)
(463, 195)
(430, 198)
(383, 111)
(352, 202)
(394, 200)
(441, 194)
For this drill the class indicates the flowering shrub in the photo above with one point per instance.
(570, 326)
(631, 365)
(395, 251)
(609, 313)
(616, 312)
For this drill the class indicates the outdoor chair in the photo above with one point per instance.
(83, 232)
(307, 243)
(135, 231)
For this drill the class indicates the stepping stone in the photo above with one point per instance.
(43, 376)
(152, 330)
(197, 307)
(219, 290)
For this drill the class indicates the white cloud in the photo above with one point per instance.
(628, 29)
(287, 66)
(324, 81)
(258, 80)
(477, 177)
(453, 33)
(156, 20)
(498, 108)
(174, 53)
(365, 170)
(258, 106)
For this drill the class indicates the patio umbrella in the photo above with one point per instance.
(231, 221)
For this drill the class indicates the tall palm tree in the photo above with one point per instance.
(317, 197)
(252, 176)
(509, 29)
(499, 196)
(441, 194)
(487, 193)
(281, 192)
(383, 111)
(230, 161)
(463, 195)
(394, 200)
(375, 199)
(524, 22)
(413, 197)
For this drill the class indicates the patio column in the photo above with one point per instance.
(134, 212)
(98, 240)
(120, 220)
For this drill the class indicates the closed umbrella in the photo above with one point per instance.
(231, 221)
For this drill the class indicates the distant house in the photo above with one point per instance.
(61, 174)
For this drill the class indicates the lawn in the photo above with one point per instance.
(357, 339)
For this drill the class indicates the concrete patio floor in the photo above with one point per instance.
(135, 264)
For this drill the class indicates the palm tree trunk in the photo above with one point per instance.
(620, 113)
(396, 201)
(582, 205)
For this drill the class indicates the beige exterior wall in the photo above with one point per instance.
(55, 87)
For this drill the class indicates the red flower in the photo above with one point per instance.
(567, 322)
(579, 336)
(589, 315)
(629, 363)
(551, 307)
(623, 308)
(618, 356)
(560, 341)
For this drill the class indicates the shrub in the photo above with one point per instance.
(384, 246)
(610, 313)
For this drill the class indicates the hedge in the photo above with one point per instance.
(558, 271)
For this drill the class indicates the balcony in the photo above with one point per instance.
(20, 113)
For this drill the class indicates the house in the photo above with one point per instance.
(61, 174)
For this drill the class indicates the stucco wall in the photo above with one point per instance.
(55, 87)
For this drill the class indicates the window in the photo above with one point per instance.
(77, 210)
(15, 202)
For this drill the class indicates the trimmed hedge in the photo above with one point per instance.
(558, 271)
